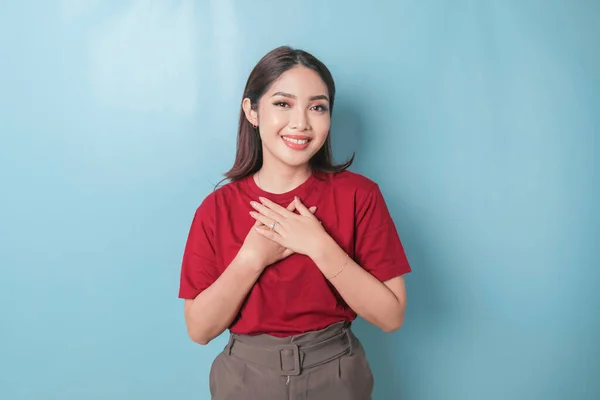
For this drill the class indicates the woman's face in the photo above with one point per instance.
(293, 117)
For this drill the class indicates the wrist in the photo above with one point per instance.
(331, 259)
(323, 249)
(248, 261)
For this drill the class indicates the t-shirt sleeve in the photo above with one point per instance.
(378, 247)
(199, 266)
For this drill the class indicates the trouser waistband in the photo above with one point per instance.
(290, 355)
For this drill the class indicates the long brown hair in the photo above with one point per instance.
(248, 158)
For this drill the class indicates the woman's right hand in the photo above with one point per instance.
(262, 252)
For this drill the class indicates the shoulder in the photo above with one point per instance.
(218, 199)
(352, 182)
(363, 192)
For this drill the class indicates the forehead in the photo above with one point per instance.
(299, 81)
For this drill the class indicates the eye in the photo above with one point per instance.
(320, 108)
(281, 104)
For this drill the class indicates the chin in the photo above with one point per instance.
(294, 158)
(295, 162)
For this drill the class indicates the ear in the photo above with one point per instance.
(251, 115)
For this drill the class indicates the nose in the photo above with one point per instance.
(299, 120)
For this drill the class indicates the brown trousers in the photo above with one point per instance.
(329, 364)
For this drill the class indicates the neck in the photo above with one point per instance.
(281, 180)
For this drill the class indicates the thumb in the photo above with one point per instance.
(287, 253)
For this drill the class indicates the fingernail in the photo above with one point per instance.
(262, 199)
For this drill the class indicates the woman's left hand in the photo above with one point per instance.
(301, 233)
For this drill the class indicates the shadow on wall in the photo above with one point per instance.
(394, 357)
(346, 129)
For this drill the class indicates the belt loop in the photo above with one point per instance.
(229, 344)
(350, 341)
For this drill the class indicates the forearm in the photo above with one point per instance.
(213, 310)
(365, 294)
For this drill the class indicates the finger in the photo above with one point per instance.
(262, 219)
(276, 207)
(271, 235)
(292, 206)
(257, 223)
(302, 208)
(266, 211)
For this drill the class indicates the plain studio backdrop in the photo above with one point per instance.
(480, 120)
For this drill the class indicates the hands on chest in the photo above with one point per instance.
(280, 232)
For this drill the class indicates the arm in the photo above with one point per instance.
(220, 297)
(367, 289)
(380, 303)
(213, 310)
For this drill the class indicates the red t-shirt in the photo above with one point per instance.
(292, 296)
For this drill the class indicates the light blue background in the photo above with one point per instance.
(479, 119)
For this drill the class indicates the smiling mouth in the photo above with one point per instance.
(296, 142)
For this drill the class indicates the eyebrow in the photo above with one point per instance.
(291, 96)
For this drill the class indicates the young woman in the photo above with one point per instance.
(291, 249)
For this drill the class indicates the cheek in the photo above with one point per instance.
(273, 124)
(272, 119)
(321, 129)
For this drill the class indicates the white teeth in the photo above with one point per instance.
(296, 141)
